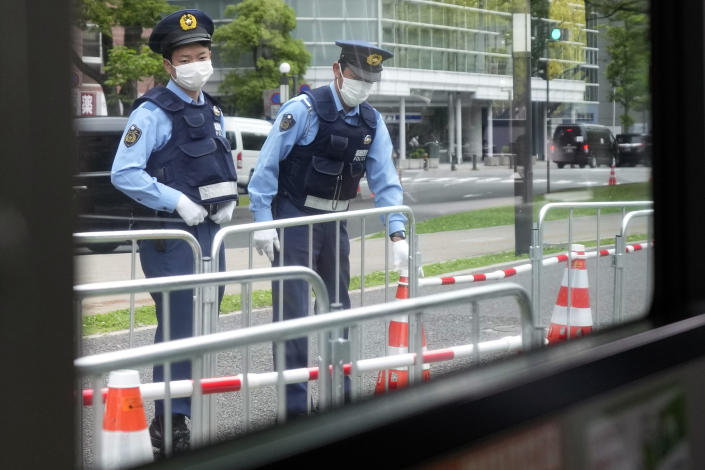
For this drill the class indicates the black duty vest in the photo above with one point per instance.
(195, 160)
(330, 167)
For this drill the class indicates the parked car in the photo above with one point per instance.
(246, 137)
(633, 149)
(99, 206)
(583, 144)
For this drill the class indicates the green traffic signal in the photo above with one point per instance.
(555, 33)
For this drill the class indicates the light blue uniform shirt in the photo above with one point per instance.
(381, 175)
(128, 173)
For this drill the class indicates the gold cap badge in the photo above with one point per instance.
(374, 59)
(188, 21)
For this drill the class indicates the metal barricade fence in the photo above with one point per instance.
(537, 243)
(310, 221)
(618, 261)
(204, 429)
(133, 236)
(334, 349)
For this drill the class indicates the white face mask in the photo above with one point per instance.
(354, 92)
(194, 75)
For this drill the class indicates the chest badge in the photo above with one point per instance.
(133, 135)
(367, 139)
(216, 111)
(287, 122)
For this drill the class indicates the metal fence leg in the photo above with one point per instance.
(618, 277)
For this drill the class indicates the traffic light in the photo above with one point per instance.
(558, 34)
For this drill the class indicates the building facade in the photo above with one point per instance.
(450, 80)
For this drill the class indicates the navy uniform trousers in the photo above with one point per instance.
(171, 258)
(295, 300)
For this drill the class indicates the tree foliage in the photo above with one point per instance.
(628, 42)
(123, 64)
(628, 68)
(259, 35)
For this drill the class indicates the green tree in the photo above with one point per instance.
(260, 36)
(628, 68)
(123, 65)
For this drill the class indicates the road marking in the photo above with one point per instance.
(461, 180)
(472, 195)
(488, 180)
(509, 180)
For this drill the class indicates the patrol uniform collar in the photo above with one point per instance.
(171, 86)
(354, 111)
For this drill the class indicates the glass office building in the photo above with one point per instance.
(452, 63)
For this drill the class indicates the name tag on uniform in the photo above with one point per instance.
(360, 155)
(218, 129)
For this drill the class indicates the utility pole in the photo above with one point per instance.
(521, 121)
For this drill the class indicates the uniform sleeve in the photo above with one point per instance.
(148, 129)
(263, 185)
(382, 176)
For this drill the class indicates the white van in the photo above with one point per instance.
(246, 137)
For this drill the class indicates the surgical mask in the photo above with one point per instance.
(354, 92)
(194, 75)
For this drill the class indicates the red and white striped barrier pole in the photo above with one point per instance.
(504, 273)
(184, 388)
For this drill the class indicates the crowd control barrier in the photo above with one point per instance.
(133, 236)
(620, 250)
(537, 243)
(203, 426)
(334, 351)
(310, 221)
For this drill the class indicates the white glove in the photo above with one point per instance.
(192, 213)
(224, 213)
(266, 241)
(400, 254)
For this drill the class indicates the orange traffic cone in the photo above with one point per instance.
(399, 344)
(613, 179)
(579, 322)
(125, 439)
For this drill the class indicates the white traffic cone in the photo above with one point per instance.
(125, 438)
(580, 321)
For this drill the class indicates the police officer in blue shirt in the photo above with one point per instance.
(322, 142)
(174, 159)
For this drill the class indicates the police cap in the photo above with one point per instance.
(363, 58)
(180, 28)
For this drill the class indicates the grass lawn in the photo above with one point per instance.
(119, 320)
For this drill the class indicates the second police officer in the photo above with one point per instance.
(321, 144)
(173, 157)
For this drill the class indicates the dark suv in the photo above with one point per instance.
(583, 144)
(99, 205)
(633, 149)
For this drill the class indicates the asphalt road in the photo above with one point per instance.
(442, 191)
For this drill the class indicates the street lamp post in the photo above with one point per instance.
(284, 69)
(548, 134)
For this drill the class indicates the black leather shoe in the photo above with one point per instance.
(181, 441)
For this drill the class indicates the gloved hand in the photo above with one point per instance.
(224, 213)
(400, 254)
(266, 241)
(192, 213)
